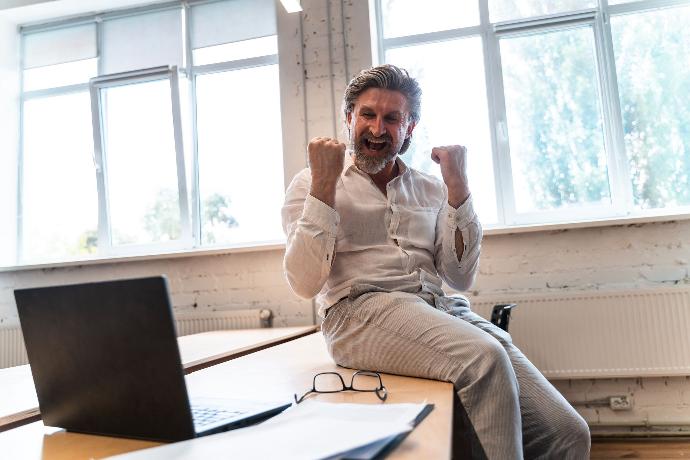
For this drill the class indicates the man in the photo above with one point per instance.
(375, 238)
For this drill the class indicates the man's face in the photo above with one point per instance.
(379, 124)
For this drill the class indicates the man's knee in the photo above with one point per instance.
(491, 357)
(578, 440)
(570, 441)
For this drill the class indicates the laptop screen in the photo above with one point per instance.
(105, 360)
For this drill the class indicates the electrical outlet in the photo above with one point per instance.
(621, 402)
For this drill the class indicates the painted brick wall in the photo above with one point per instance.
(616, 257)
(202, 283)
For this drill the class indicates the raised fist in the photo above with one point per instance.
(453, 161)
(326, 161)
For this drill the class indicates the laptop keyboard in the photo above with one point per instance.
(209, 415)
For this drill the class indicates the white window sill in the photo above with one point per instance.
(280, 245)
(608, 222)
(249, 247)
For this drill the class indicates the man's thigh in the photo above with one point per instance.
(399, 333)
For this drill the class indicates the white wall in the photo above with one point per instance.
(590, 258)
(617, 257)
(202, 283)
(9, 135)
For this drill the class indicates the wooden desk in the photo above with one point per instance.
(199, 351)
(274, 373)
(19, 405)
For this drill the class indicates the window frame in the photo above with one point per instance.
(96, 86)
(619, 175)
(28, 95)
(190, 240)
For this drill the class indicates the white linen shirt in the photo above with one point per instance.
(404, 240)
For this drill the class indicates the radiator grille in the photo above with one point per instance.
(194, 323)
(13, 352)
(634, 333)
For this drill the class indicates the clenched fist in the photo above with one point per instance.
(326, 160)
(453, 161)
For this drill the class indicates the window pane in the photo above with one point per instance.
(454, 111)
(409, 17)
(240, 155)
(652, 54)
(59, 197)
(554, 120)
(53, 76)
(141, 163)
(506, 10)
(264, 46)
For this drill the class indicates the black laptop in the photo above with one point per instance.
(105, 360)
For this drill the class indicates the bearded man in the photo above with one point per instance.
(374, 239)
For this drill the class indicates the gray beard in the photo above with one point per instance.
(368, 164)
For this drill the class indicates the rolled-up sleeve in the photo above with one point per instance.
(311, 227)
(458, 274)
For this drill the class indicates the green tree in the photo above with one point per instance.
(162, 221)
(553, 109)
(217, 218)
(652, 55)
(88, 242)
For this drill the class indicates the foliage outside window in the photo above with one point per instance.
(579, 109)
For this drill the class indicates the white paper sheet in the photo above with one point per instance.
(310, 430)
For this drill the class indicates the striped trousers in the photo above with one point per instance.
(515, 412)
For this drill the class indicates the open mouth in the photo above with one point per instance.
(375, 144)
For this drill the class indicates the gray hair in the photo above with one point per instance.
(388, 77)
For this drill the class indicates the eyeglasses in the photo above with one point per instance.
(332, 382)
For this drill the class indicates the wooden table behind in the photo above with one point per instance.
(19, 405)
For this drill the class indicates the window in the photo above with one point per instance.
(58, 214)
(138, 131)
(652, 51)
(571, 110)
(555, 129)
(141, 167)
(238, 122)
(236, 206)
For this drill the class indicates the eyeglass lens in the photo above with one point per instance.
(364, 381)
(328, 382)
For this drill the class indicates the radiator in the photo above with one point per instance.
(13, 352)
(601, 334)
(194, 323)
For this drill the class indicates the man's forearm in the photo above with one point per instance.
(324, 192)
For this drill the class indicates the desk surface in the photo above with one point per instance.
(274, 373)
(18, 403)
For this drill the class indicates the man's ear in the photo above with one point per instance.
(348, 117)
(410, 128)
